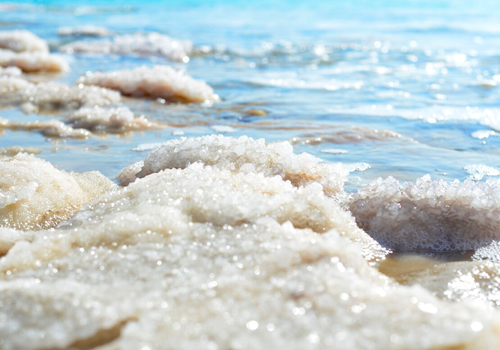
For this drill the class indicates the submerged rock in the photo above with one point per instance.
(429, 215)
(202, 257)
(150, 44)
(157, 82)
(35, 195)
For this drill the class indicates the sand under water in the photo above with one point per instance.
(126, 223)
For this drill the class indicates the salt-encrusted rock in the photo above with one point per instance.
(247, 155)
(150, 44)
(16, 91)
(49, 128)
(429, 215)
(206, 258)
(33, 61)
(35, 195)
(87, 30)
(112, 120)
(157, 82)
(21, 41)
(128, 174)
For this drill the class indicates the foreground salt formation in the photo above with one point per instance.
(112, 120)
(247, 155)
(22, 41)
(208, 258)
(35, 195)
(429, 215)
(49, 96)
(33, 61)
(149, 44)
(157, 82)
(87, 30)
(10, 71)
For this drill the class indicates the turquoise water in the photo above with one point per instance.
(341, 71)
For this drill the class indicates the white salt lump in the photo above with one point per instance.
(48, 128)
(429, 215)
(202, 258)
(21, 41)
(157, 82)
(10, 71)
(33, 61)
(17, 91)
(247, 155)
(102, 120)
(149, 44)
(35, 195)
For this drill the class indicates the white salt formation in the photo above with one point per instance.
(157, 82)
(35, 97)
(429, 215)
(49, 128)
(148, 45)
(113, 120)
(202, 258)
(127, 174)
(35, 195)
(33, 61)
(247, 155)
(87, 30)
(10, 71)
(22, 41)
(478, 171)
(13, 150)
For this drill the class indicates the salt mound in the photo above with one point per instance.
(87, 30)
(21, 41)
(16, 91)
(102, 120)
(202, 258)
(247, 155)
(150, 44)
(35, 195)
(49, 128)
(10, 71)
(33, 61)
(157, 82)
(429, 215)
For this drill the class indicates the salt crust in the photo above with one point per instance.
(21, 41)
(35, 195)
(429, 215)
(87, 30)
(33, 61)
(48, 128)
(101, 120)
(149, 44)
(16, 91)
(203, 258)
(13, 150)
(10, 71)
(247, 155)
(478, 171)
(127, 174)
(157, 82)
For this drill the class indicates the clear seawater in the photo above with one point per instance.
(342, 71)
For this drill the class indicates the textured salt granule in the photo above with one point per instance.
(35, 195)
(429, 215)
(206, 258)
(49, 128)
(157, 82)
(87, 30)
(150, 44)
(16, 91)
(33, 61)
(247, 155)
(21, 41)
(102, 120)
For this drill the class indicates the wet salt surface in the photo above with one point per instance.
(400, 92)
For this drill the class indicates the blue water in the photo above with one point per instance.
(339, 70)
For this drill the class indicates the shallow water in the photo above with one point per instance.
(387, 88)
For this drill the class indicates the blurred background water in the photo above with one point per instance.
(408, 87)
